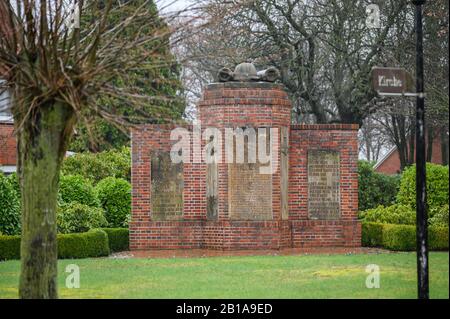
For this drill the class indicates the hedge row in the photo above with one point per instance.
(94, 243)
(401, 237)
(118, 238)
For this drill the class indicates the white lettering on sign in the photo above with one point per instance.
(383, 81)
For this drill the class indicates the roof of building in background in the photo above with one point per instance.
(385, 157)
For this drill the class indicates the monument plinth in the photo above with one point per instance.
(275, 186)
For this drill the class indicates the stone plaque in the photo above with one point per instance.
(249, 191)
(167, 187)
(323, 184)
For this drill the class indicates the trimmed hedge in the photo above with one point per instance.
(399, 237)
(402, 237)
(118, 239)
(9, 247)
(372, 234)
(93, 243)
(438, 238)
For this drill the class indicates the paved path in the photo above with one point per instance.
(195, 253)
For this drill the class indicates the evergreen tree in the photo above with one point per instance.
(158, 75)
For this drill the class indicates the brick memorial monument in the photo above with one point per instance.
(305, 193)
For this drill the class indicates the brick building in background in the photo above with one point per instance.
(310, 201)
(390, 163)
(7, 139)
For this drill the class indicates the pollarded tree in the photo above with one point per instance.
(56, 74)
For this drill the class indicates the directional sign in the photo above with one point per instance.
(391, 81)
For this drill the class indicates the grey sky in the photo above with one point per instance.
(173, 5)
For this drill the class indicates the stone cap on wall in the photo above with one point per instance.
(343, 127)
(239, 85)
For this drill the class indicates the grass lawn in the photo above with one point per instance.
(313, 276)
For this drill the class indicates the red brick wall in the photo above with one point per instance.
(8, 145)
(344, 231)
(238, 105)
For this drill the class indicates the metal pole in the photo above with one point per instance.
(421, 194)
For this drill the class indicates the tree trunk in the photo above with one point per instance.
(42, 144)
(444, 145)
(430, 140)
(412, 144)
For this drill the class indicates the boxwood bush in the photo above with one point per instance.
(438, 238)
(76, 188)
(93, 243)
(372, 234)
(9, 247)
(10, 214)
(399, 237)
(115, 198)
(437, 186)
(402, 237)
(79, 218)
(118, 239)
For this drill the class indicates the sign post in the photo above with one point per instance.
(397, 82)
(421, 191)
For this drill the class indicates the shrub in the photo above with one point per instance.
(394, 214)
(438, 238)
(9, 247)
(78, 218)
(14, 181)
(10, 214)
(93, 243)
(437, 186)
(372, 234)
(75, 188)
(402, 237)
(97, 166)
(115, 197)
(439, 216)
(399, 237)
(118, 239)
(374, 188)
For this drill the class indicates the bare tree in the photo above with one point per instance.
(55, 72)
(324, 49)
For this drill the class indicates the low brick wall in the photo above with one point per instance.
(236, 235)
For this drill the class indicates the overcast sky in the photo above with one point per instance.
(173, 5)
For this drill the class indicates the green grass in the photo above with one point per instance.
(314, 276)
